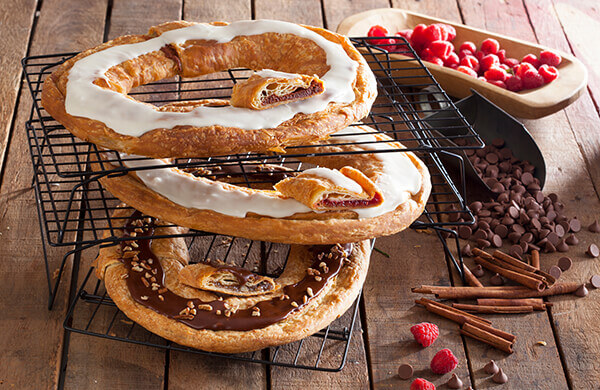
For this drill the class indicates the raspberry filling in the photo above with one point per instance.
(353, 203)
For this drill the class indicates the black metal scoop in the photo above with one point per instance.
(490, 122)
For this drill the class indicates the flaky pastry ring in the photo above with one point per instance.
(141, 276)
(269, 215)
(88, 93)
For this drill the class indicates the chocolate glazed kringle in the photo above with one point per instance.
(141, 276)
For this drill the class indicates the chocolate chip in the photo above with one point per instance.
(514, 237)
(595, 281)
(498, 143)
(483, 225)
(527, 237)
(500, 377)
(594, 227)
(575, 225)
(481, 243)
(524, 246)
(513, 212)
(565, 263)
(582, 291)
(593, 250)
(559, 230)
(478, 271)
(498, 188)
(553, 197)
(405, 371)
(518, 229)
(476, 206)
(555, 271)
(562, 246)
(466, 251)
(572, 240)
(491, 368)
(527, 178)
(454, 382)
(496, 241)
(497, 280)
(501, 230)
(464, 232)
(516, 249)
(549, 248)
(553, 238)
(565, 225)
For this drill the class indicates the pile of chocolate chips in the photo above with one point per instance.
(521, 213)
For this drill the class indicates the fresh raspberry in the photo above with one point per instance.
(385, 43)
(468, 45)
(418, 40)
(549, 73)
(532, 79)
(452, 60)
(464, 53)
(514, 83)
(490, 46)
(511, 62)
(433, 33)
(501, 55)
(422, 384)
(443, 362)
(497, 83)
(522, 67)
(495, 73)
(532, 59)
(479, 55)
(441, 49)
(425, 333)
(505, 67)
(448, 32)
(435, 60)
(466, 70)
(550, 57)
(471, 62)
(406, 34)
(488, 61)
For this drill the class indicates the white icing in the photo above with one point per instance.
(336, 177)
(270, 73)
(130, 117)
(399, 179)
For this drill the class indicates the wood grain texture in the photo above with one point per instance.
(338, 10)
(445, 9)
(31, 335)
(296, 11)
(415, 259)
(115, 364)
(17, 21)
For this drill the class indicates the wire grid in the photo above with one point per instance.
(93, 313)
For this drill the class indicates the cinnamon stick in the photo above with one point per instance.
(471, 279)
(525, 280)
(455, 315)
(486, 309)
(484, 336)
(508, 259)
(536, 303)
(520, 270)
(446, 292)
(535, 259)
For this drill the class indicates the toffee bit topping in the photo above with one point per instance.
(161, 297)
(205, 306)
(144, 297)
(318, 278)
(294, 304)
(309, 291)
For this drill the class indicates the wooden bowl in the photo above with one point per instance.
(531, 103)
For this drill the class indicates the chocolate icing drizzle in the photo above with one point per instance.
(145, 281)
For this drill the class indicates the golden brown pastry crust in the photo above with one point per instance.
(224, 280)
(304, 228)
(259, 93)
(198, 57)
(336, 297)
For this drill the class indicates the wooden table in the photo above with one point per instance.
(31, 337)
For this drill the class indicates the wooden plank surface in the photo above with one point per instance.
(17, 22)
(32, 334)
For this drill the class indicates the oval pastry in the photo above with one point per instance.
(141, 276)
(350, 197)
(88, 93)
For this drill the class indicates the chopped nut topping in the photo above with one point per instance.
(309, 291)
(161, 297)
(148, 220)
(124, 276)
(147, 275)
(130, 254)
(153, 279)
(218, 312)
(322, 264)
(206, 307)
(146, 283)
(134, 244)
(137, 269)
(313, 272)
(144, 297)
(184, 311)
(135, 264)
(305, 298)
(220, 298)
(326, 269)
(162, 290)
(255, 312)
(193, 311)
(155, 287)
(127, 248)
(133, 234)
(138, 230)
(146, 266)
(190, 304)
(227, 313)
(154, 271)
(294, 304)
(318, 278)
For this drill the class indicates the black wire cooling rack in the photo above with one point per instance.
(75, 211)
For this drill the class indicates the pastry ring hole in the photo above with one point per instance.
(211, 69)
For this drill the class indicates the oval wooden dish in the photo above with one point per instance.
(532, 103)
